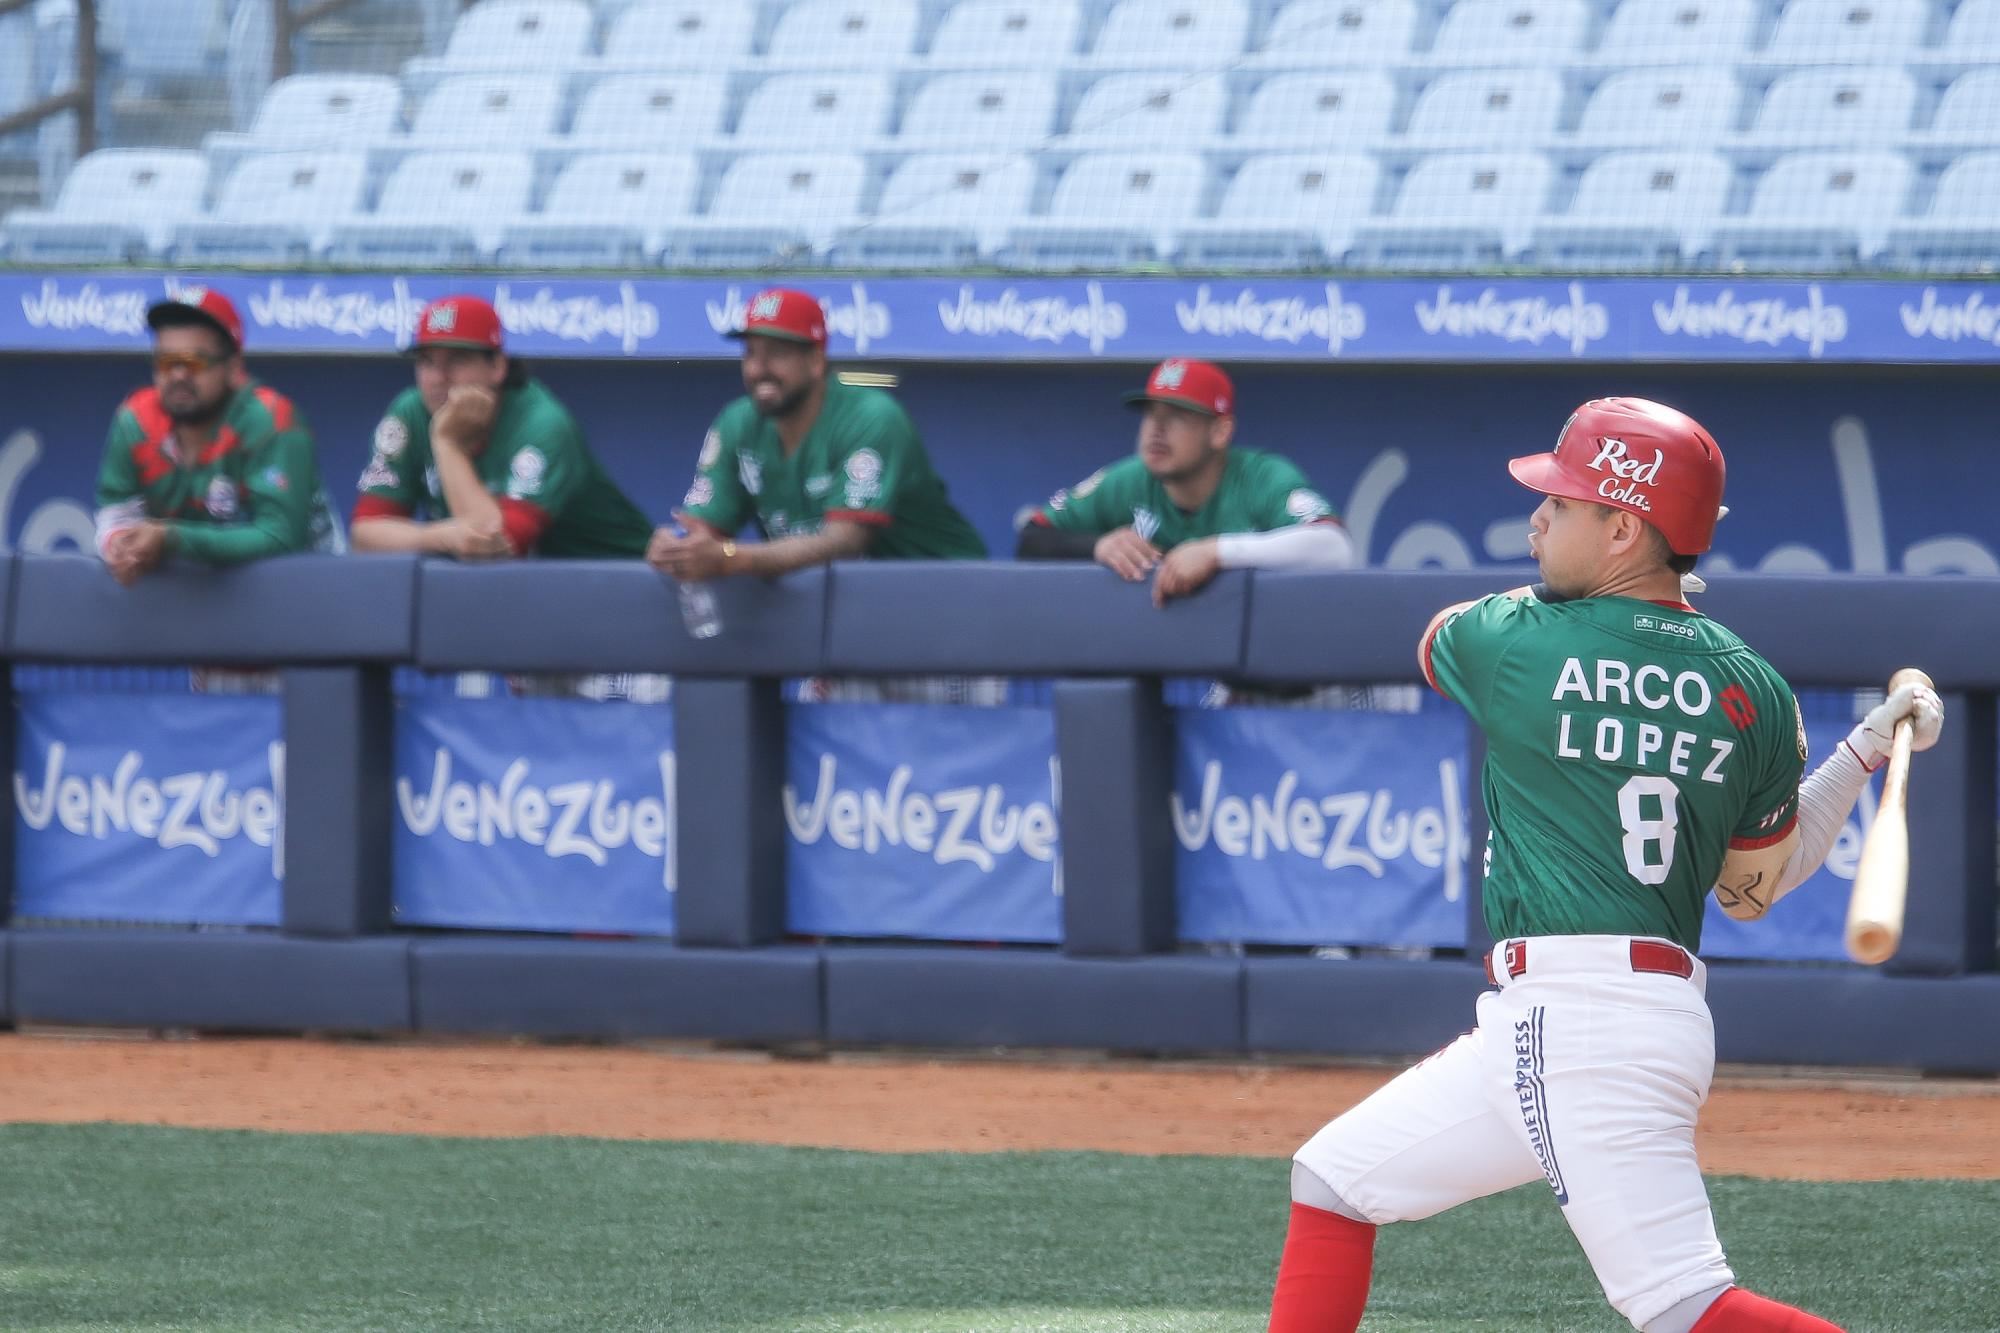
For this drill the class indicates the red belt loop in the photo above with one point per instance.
(1657, 956)
(1516, 959)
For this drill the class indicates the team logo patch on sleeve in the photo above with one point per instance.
(1800, 719)
(864, 476)
(524, 476)
(377, 475)
(391, 436)
(1304, 504)
(699, 494)
(1088, 484)
(221, 498)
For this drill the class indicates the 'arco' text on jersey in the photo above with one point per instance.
(1637, 744)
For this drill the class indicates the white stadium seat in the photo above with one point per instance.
(1150, 109)
(1179, 34)
(648, 110)
(1110, 209)
(771, 207)
(519, 34)
(1974, 33)
(1877, 32)
(437, 209)
(485, 109)
(845, 34)
(1960, 231)
(1351, 108)
(1838, 106)
(1712, 33)
(116, 204)
(815, 110)
(941, 210)
(1637, 210)
(326, 111)
(275, 208)
(1340, 34)
(1672, 107)
(1004, 110)
(605, 210)
(1511, 108)
(1511, 32)
(1817, 210)
(1007, 34)
(681, 34)
(1969, 109)
(1284, 211)
(1458, 211)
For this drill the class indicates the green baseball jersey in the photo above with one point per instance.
(1629, 745)
(535, 457)
(862, 462)
(1259, 492)
(253, 491)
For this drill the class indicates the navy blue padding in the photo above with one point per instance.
(1850, 1016)
(339, 800)
(294, 608)
(1856, 629)
(1948, 919)
(959, 997)
(729, 828)
(892, 617)
(1358, 1006)
(266, 982)
(1359, 625)
(1116, 748)
(615, 988)
(612, 615)
(9, 572)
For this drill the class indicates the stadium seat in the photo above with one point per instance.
(275, 208)
(1636, 210)
(1177, 34)
(941, 210)
(1969, 111)
(326, 111)
(485, 109)
(117, 204)
(771, 207)
(681, 34)
(1340, 34)
(845, 34)
(651, 109)
(1672, 107)
(519, 34)
(1710, 33)
(1511, 108)
(1007, 34)
(1146, 109)
(437, 209)
(1974, 33)
(1109, 210)
(1458, 211)
(1836, 106)
(1013, 109)
(1510, 32)
(815, 110)
(1960, 231)
(1283, 211)
(1351, 108)
(1817, 211)
(1875, 32)
(606, 210)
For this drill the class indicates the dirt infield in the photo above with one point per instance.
(1783, 1128)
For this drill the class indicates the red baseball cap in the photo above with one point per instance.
(460, 321)
(781, 312)
(201, 306)
(1184, 383)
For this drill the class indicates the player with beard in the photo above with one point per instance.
(1186, 504)
(824, 470)
(206, 463)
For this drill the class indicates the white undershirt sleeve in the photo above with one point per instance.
(1303, 546)
(1824, 801)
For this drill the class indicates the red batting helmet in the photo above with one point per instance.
(1638, 456)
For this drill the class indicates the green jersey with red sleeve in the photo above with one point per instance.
(252, 491)
(555, 498)
(1258, 492)
(1629, 746)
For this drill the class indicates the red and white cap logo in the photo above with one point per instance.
(1187, 383)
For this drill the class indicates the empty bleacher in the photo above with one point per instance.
(1589, 135)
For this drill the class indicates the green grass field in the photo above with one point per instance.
(111, 1227)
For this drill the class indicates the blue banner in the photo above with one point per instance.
(1551, 319)
(923, 822)
(1809, 924)
(149, 807)
(534, 814)
(1311, 826)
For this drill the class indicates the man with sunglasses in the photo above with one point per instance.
(206, 463)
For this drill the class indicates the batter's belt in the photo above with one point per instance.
(1644, 955)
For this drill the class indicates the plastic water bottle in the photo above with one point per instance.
(699, 612)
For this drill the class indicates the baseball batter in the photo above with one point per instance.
(1638, 755)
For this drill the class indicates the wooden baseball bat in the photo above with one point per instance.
(1882, 880)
